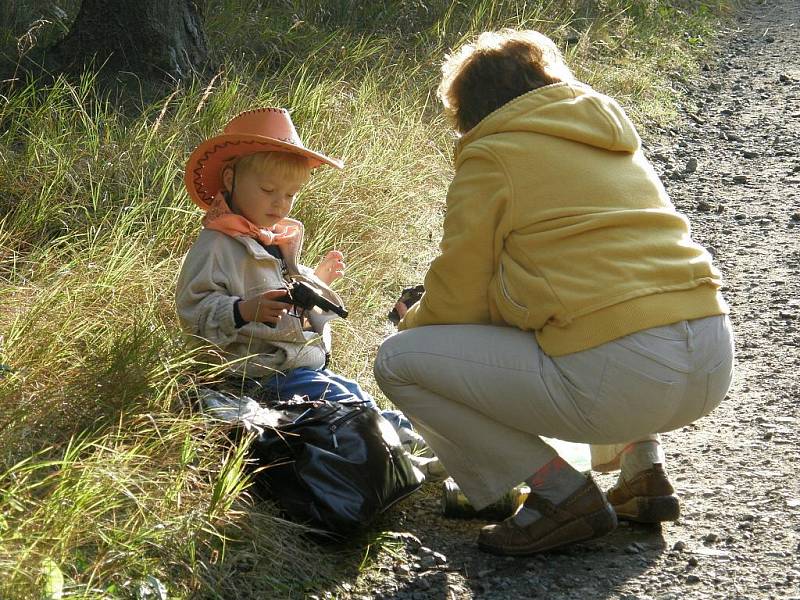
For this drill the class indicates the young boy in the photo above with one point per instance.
(233, 278)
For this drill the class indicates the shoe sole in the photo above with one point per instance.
(580, 530)
(649, 509)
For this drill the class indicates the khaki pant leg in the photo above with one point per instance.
(480, 396)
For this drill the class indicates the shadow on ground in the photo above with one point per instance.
(440, 559)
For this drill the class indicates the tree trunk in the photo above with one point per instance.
(161, 39)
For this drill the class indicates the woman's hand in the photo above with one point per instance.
(401, 309)
(331, 268)
(408, 298)
(264, 308)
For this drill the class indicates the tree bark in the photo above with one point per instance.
(161, 39)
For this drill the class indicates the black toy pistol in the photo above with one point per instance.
(304, 297)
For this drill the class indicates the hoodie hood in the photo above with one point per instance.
(571, 111)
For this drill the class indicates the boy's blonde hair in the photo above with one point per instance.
(498, 66)
(284, 163)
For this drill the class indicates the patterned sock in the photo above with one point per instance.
(556, 481)
(640, 456)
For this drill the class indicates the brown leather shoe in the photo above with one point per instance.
(647, 498)
(582, 516)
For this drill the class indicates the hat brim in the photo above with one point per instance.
(203, 176)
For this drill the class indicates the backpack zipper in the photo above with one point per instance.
(338, 422)
(297, 421)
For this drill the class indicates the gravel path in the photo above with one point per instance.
(733, 167)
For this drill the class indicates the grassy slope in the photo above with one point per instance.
(106, 477)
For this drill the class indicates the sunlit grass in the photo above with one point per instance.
(106, 475)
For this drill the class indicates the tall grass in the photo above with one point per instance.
(107, 478)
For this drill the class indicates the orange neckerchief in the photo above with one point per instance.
(220, 218)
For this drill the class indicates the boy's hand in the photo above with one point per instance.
(265, 308)
(331, 268)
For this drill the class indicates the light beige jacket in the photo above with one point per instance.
(220, 269)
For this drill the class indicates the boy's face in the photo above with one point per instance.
(263, 197)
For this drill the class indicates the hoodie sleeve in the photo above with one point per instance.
(476, 223)
(204, 305)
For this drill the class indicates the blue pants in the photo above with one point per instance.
(322, 384)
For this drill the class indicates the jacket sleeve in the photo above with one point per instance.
(205, 307)
(477, 221)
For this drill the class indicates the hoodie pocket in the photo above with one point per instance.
(524, 299)
(513, 312)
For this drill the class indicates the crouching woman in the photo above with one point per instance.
(568, 301)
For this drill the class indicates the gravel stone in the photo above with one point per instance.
(403, 570)
(703, 206)
(710, 538)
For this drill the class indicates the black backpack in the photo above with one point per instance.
(333, 465)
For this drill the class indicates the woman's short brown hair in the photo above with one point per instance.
(498, 66)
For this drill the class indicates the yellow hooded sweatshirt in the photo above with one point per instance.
(556, 223)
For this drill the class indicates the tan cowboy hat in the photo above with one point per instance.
(259, 130)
